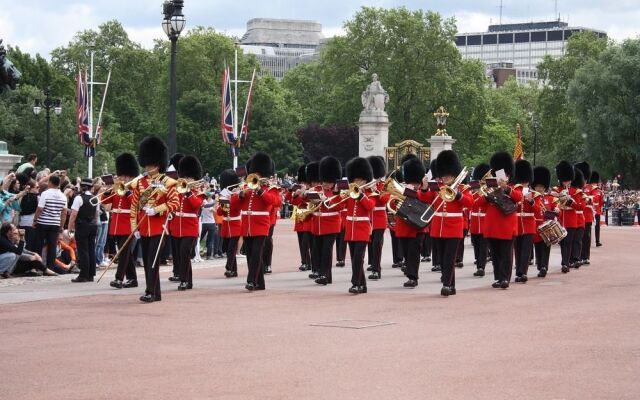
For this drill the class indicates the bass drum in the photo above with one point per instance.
(552, 232)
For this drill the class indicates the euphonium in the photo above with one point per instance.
(396, 192)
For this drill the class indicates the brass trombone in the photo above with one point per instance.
(353, 192)
(448, 192)
(183, 186)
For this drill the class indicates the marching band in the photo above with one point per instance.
(510, 210)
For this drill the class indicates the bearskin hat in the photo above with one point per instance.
(448, 163)
(153, 151)
(564, 171)
(480, 171)
(595, 177)
(330, 169)
(378, 166)
(578, 180)
(524, 172)
(127, 165)
(301, 177)
(174, 160)
(413, 171)
(190, 167)
(359, 168)
(585, 168)
(312, 172)
(261, 164)
(541, 176)
(408, 156)
(434, 168)
(502, 160)
(227, 178)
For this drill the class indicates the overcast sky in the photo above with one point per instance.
(42, 25)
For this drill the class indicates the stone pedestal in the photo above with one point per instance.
(440, 143)
(373, 133)
(7, 160)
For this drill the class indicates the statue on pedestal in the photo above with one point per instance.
(375, 97)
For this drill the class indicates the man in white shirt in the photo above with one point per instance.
(49, 220)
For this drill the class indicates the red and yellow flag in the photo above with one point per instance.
(518, 153)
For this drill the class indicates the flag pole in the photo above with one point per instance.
(235, 108)
(104, 96)
(90, 158)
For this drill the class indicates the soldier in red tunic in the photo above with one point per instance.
(589, 214)
(541, 183)
(154, 198)
(327, 221)
(499, 227)
(576, 248)
(378, 217)
(477, 221)
(167, 246)
(256, 207)
(598, 202)
(231, 227)
(267, 255)
(312, 172)
(569, 204)
(120, 225)
(448, 222)
(185, 224)
(358, 228)
(526, 212)
(302, 228)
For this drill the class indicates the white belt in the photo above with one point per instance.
(379, 208)
(266, 213)
(238, 218)
(186, 215)
(121, 211)
(579, 212)
(447, 214)
(525, 214)
(326, 214)
(474, 214)
(350, 218)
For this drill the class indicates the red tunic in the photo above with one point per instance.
(162, 202)
(304, 226)
(598, 199)
(526, 214)
(276, 209)
(477, 216)
(185, 222)
(327, 221)
(589, 210)
(448, 221)
(358, 221)
(256, 210)
(546, 203)
(120, 224)
(497, 225)
(379, 213)
(231, 221)
(568, 215)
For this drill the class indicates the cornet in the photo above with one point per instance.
(183, 186)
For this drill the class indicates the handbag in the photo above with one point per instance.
(416, 213)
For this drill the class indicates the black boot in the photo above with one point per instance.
(116, 283)
(542, 273)
(479, 272)
(322, 280)
(182, 286)
(374, 276)
(130, 283)
(411, 283)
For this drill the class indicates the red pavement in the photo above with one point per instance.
(574, 336)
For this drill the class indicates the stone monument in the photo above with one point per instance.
(7, 161)
(441, 140)
(374, 121)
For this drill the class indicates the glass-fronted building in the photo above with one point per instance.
(524, 45)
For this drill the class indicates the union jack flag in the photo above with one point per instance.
(82, 114)
(227, 110)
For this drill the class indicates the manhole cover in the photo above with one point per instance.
(353, 324)
(550, 283)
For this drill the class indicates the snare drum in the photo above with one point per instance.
(552, 232)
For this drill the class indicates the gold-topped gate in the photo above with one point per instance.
(395, 153)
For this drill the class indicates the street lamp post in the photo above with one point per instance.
(173, 24)
(536, 125)
(49, 104)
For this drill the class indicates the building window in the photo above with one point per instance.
(554, 36)
(474, 40)
(461, 40)
(522, 37)
(506, 38)
(490, 39)
(538, 36)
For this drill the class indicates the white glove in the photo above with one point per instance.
(150, 211)
(136, 234)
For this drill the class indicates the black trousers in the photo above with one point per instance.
(86, 247)
(126, 262)
(411, 248)
(576, 250)
(30, 237)
(304, 244)
(166, 252)
(585, 254)
(501, 258)
(566, 245)
(375, 254)
(341, 247)
(172, 243)
(267, 254)
(542, 255)
(479, 250)
(357, 250)
(396, 248)
(23, 266)
(460, 252)
(448, 250)
(597, 229)
(426, 245)
(323, 247)
(150, 245)
(522, 250)
(435, 256)
(47, 235)
(185, 247)
(231, 244)
(254, 246)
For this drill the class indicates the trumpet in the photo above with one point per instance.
(183, 186)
